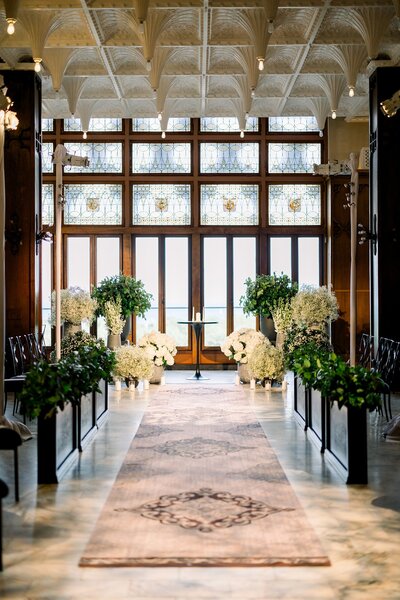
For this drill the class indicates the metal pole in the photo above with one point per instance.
(353, 256)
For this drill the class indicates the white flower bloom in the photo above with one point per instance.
(160, 346)
(239, 343)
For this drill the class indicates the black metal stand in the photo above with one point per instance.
(197, 327)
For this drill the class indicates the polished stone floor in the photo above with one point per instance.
(359, 526)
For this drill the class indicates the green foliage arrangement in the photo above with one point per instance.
(263, 293)
(302, 342)
(128, 290)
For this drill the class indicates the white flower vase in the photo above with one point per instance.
(237, 378)
(284, 385)
(162, 380)
(132, 386)
(113, 340)
(117, 384)
(158, 373)
(252, 384)
(146, 384)
(267, 385)
(71, 328)
(244, 373)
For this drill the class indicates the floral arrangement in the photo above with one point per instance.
(267, 362)
(133, 362)
(130, 291)
(76, 341)
(160, 347)
(282, 314)
(239, 344)
(76, 306)
(315, 306)
(263, 293)
(113, 316)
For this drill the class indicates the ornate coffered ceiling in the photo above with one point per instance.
(201, 57)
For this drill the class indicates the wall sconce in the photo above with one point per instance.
(368, 236)
(13, 234)
(349, 202)
(390, 106)
(41, 235)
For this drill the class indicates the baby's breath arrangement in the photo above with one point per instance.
(267, 362)
(240, 343)
(113, 316)
(314, 306)
(160, 347)
(76, 306)
(133, 362)
(282, 315)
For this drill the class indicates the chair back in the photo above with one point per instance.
(366, 350)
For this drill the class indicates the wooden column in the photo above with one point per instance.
(384, 206)
(22, 164)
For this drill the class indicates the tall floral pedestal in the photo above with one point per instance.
(243, 373)
(158, 374)
(113, 340)
(267, 328)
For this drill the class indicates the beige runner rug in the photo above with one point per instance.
(201, 486)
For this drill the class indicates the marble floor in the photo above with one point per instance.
(359, 526)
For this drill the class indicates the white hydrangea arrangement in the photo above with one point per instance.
(240, 343)
(160, 347)
(282, 314)
(132, 363)
(113, 316)
(267, 362)
(76, 306)
(315, 306)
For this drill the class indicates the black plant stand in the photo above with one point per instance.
(197, 327)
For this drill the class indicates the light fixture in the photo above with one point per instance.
(141, 27)
(84, 135)
(163, 134)
(253, 92)
(390, 106)
(321, 133)
(270, 27)
(159, 116)
(260, 63)
(154, 94)
(334, 115)
(148, 65)
(242, 134)
(37, 62)
(10, 27)
(351, 91)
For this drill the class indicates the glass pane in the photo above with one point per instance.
(78, 262)
(309, 267)
(176, 124)
(297, 204)
(93, 204)
(293, 158)
(47, 124)
(146, 269)
(244, 265)
(229, 158)
(281, 255)
(161, 158)
(229, 204)
(104, 157)
(161, 204)
(47, 157)
(215, 290)
(47, 287)
(107, 264)
(292, 124)
(226, 124)
(95, 124)
(177, 288)
(47, 204)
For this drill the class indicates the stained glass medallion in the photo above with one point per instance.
(93, 204)
(161, 204)
(229, 204)
(297, 204)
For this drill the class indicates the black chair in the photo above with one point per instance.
(3, 494)
(10, 440)
(15, 375)
(386, 363)
(366, 350)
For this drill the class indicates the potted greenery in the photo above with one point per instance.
(262, 295)
(129, 291)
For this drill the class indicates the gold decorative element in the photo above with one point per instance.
(93, 204)
(229, 204)
(161, 204)
(295, 204)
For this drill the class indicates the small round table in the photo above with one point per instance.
(197, 326)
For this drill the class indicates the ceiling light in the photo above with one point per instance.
(321, 133)
(390, 106)
(260, 63)
(159, 116)
(334, 114)
(10, 27)
(253, 92)
(85, 135)
(163, 135)
(37, 62)
(148, 65)
(141, 27)
(270, 27)
(154, 94)
(242, 134)
(351, 91)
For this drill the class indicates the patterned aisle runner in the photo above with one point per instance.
(200, 485)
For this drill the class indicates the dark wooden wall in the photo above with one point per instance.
(22, 163)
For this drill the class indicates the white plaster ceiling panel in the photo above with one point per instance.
(337, 29)
(116, 27)
(292, 26)
(184, 61)
(218, 108)
(220, 87)
(320, 59)
(190, 107)
(223, 60)
(272, 85)
(86, 62)
(134, 87)
(281, 59)
(266, 107)
(72, 31)
(97, 88)
(182, 27)
(225, 28)
(185, 87)
(307, 85)
(140, 107)
(126, 61)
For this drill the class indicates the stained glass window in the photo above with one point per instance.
(293, 158)
(229, 204)
(297, 204)
(93, 204)
(161, 158)
(48, 204)
(226, 124)
(224, 157)
(47, 157)
(292, 124)
(95, 124)
(47, 124)
(104, 157)
(176, 124)
(161, 204)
